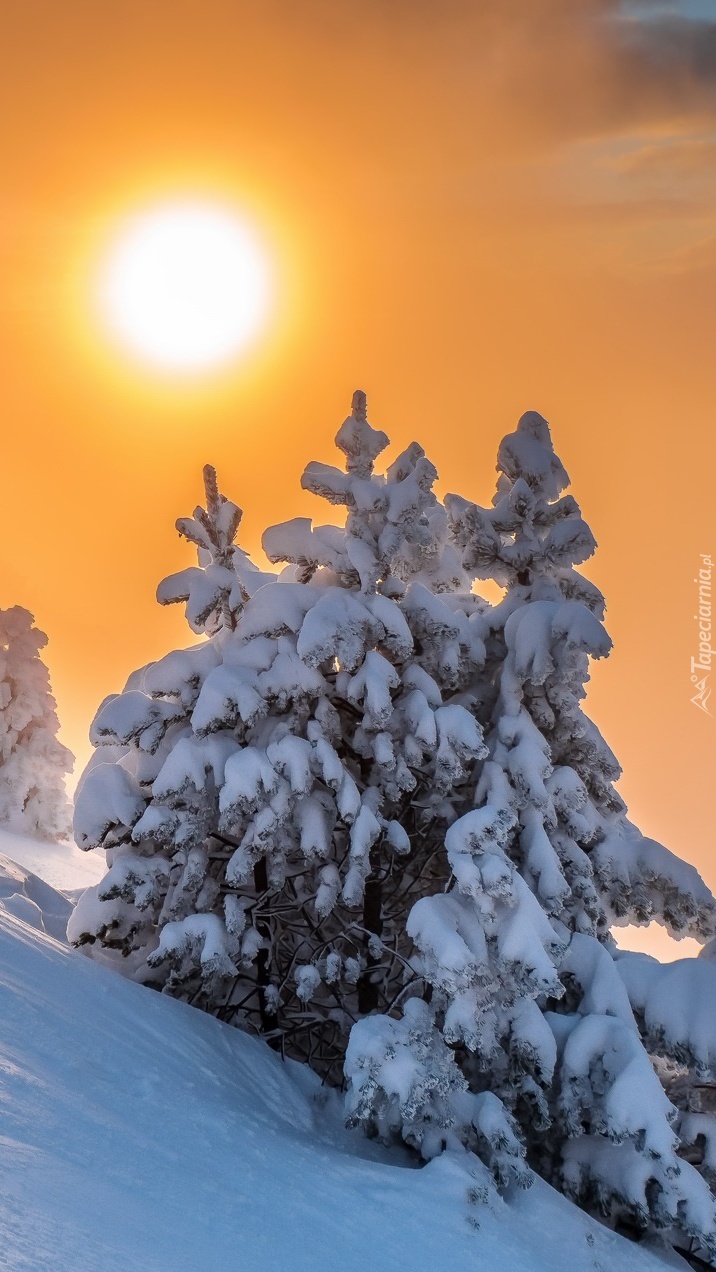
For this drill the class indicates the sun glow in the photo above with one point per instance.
(185, 286)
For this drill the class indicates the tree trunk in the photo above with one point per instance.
(268, 1017)
(368, 989)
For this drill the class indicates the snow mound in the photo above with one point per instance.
(140, 1133)
(30, 899)
(61, 865)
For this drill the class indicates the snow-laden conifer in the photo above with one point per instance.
(277, 796)
(33, 763)
(369, 799)
(516, 948)
(149, 795)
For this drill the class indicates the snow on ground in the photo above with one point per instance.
(63, 866)
(32, 900)
(139, 1133)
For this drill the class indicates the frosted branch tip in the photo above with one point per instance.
(359, 406)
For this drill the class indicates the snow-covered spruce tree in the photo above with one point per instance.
(529, 1050)
(161, 854)
(33, 763)
(276, 798)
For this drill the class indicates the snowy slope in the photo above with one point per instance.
(139, 1133)
(61, 865)
(32, 900)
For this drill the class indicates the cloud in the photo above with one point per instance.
(682, 46)
(514, 114)
(696, 257)
(518, 74)
(673, 158)
(577, 130)
(589, 69)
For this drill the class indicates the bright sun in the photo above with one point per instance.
(185, 286)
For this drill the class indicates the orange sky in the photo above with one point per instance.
(471, 209)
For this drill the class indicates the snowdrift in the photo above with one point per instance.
(61, 865)
(32, 900)
(140, 1133)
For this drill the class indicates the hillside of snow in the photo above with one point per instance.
(28, 898)
(62, 865)
(139, 1133)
